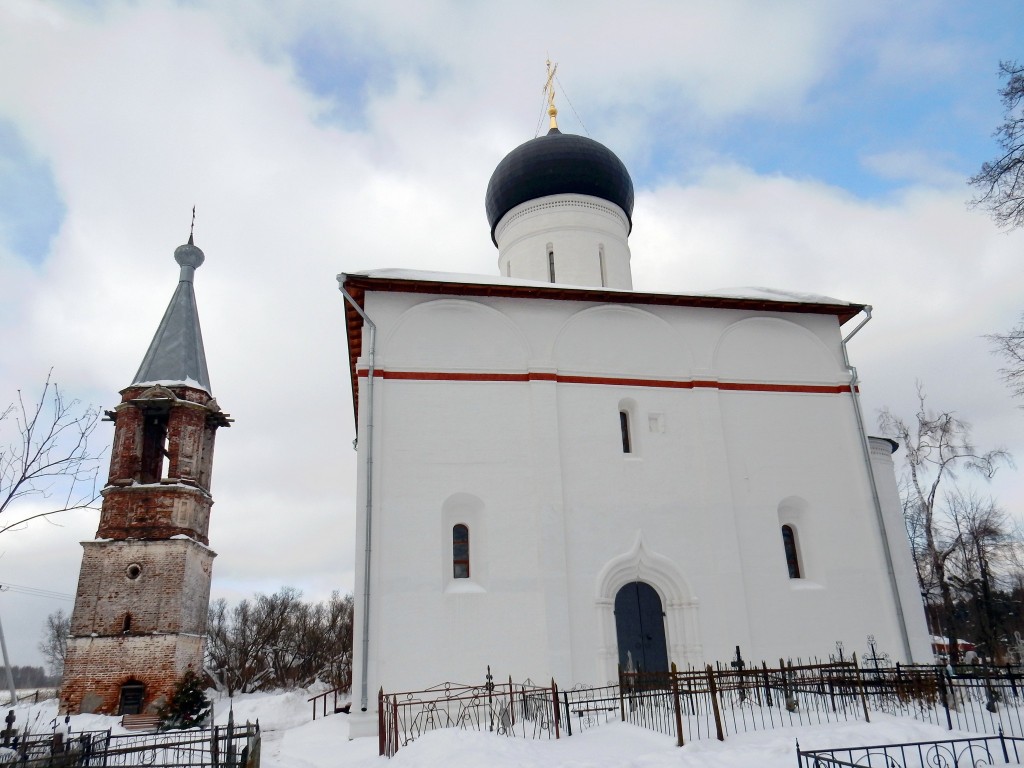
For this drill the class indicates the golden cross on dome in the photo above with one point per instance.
(549, 88)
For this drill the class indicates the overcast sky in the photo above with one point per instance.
(812, 146)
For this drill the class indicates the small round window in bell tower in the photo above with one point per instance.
(133, 571)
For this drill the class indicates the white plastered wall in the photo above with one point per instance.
(582, 239)
(559, 516)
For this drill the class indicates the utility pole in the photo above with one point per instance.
(7, 661)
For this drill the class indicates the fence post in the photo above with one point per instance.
(860, 685)
(554, 705)
(86, 741)
(229, 748)
(714, 702)
(381, 733)
(106, 747)
(511, 702)
(944, 693)
(215, 746)
(394, 726)
(622, 697)
(568, 717)
(490, 699)
(675, 701)
(767, 684)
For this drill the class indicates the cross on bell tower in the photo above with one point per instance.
(143, 592)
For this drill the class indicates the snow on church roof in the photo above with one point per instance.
(781, 301)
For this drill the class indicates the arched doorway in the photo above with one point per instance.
(640, 628)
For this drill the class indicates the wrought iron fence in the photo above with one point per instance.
(714, 703)
(952, 753)
(523, 710)
(584, 707)
(717, 702)
(978, 699)
(217, 747)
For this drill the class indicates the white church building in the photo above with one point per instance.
(559, 474)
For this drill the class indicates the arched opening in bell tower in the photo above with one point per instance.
(154, 446)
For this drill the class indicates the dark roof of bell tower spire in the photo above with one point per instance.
(176, 354)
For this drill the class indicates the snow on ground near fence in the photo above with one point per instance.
(292, 740)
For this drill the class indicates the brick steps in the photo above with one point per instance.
(140, 722)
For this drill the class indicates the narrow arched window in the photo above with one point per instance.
(460, 551)
(551, 262)
(792, 555)
(126, 625)
(601, 264)
(627, 443)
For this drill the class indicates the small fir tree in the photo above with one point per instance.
(188, 706)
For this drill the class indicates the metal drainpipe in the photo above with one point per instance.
(368, 428)
(866, 448)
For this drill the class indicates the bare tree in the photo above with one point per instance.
(45, 455)
(280, 641)
(985, 545)
(1010, 346)
(236, 648)
(937, 446)
(338, 659)
(1000, 183)
(54, 645)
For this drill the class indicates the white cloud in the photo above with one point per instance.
(916, 167)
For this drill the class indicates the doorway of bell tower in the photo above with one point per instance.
(640, 628)
(132, 694)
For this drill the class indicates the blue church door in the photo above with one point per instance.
(640, 628)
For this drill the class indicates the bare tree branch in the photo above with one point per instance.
(1010, 346)
(47, 455)
(1000, 183)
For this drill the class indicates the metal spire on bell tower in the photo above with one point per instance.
(176, 354)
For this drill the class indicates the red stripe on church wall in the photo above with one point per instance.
(730, 386)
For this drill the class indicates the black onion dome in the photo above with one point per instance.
(556, 164)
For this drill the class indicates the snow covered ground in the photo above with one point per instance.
(292, 740)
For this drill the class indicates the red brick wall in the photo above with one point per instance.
(100, 666)
(155, 511)
(190, 434)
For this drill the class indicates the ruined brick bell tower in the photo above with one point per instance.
(144, 589)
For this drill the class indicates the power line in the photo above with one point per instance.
(35, 591)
